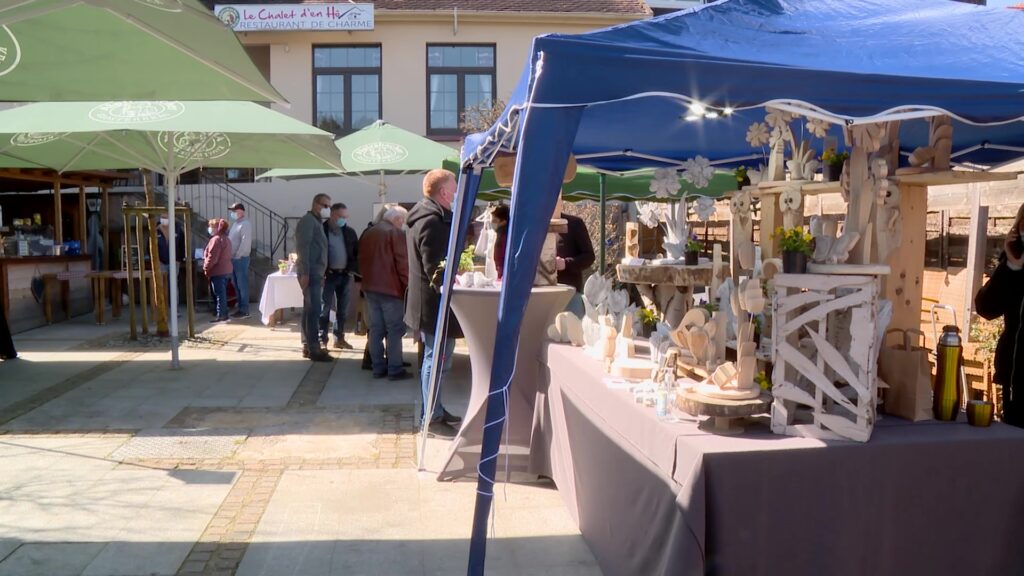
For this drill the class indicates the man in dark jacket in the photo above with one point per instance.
(1003, 295)
(342, 264)
(575, 255)
(429, 224)
(311, 266)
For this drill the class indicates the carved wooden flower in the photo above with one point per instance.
(818, 127)
(705, 208)
(698, 171)
(649, 213)
(778, 118)
(757, 134)
(789, 199)
(665, 183)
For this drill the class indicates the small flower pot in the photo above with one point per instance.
(832, 173)
(691, 258)
(646, 329)
(741, 183)
(794, 263)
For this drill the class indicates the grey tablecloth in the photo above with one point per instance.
(656, 498)
(477, 311)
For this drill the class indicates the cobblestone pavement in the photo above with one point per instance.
(118, 466)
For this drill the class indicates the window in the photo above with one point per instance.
(346, 87)
(458, 77)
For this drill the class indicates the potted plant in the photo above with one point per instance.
(796, 246)
(742, 179)
(648, 320)
(693, 248)
(833, 164)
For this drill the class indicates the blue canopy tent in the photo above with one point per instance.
(658, 92)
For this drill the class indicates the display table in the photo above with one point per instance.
(477, 311)
(660, 498)
(280, 291)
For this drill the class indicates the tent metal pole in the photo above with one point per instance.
(604, 219)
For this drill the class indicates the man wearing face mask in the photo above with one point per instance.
(311, 265)
(342, 263)
(241, 245)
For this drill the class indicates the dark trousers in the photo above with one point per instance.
(312, 300)
(6, 342)
(220, 294)
(336, 290)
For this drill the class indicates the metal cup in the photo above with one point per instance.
(979, 413)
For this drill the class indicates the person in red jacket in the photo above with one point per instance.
(499, 220)
(217, 266)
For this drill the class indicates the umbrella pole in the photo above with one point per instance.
(172, 246)
(604, 221)
(382, 189)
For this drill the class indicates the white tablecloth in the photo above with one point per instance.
(280, 291)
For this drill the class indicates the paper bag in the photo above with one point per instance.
(907, 370)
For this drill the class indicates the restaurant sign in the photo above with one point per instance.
(284, 17)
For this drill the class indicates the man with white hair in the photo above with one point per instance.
(384, 265)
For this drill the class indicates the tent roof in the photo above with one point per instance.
(839, 60)
(635, 7)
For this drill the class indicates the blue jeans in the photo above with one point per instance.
(576, 306)
(312, 299)
(387, 321)
(240, 276)
(428, 363)
(220, 294)
(336, 289)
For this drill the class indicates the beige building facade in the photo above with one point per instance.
(423, 62)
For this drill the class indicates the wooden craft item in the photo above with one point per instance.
(567, 327)
(717, 267)
(624, 346)
(632, 368)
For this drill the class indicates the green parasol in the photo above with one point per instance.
(59, 50)
(380, 149)
(165, 137)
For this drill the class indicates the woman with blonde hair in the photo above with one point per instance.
(217, 267)
(1003, 295)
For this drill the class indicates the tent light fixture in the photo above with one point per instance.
(727, 111)
(692, 117)
(697, 108)
(711, 114)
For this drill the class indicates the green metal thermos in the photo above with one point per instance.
(946, 390)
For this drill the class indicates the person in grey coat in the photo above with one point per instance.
(311, 266)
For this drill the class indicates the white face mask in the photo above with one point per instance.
(164, 222)
(325, 213)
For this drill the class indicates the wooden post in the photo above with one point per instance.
(944, 239)
(905, 284)
(105, 223)
(82, 213)
(975, 256)
(58, 232)
(127, 265)
(190, 293)
(771, 218)
(143, 301)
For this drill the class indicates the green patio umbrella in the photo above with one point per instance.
(380, 149)
(165, 137)
(83, 50)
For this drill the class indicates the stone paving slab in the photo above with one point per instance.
(180, 443)
(383, 522)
